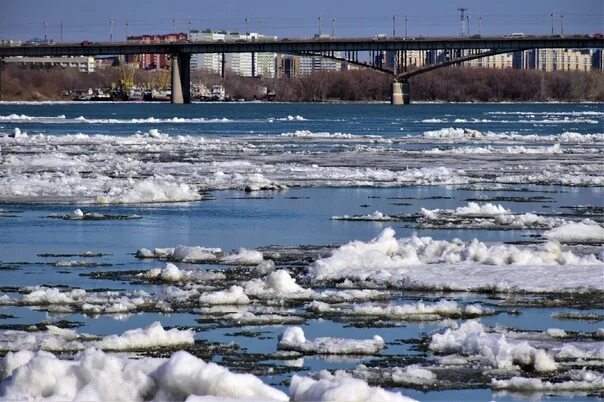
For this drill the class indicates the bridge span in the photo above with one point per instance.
(479, 46)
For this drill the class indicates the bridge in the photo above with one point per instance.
(457, 50)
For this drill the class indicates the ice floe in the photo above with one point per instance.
(61, 340)
(96, 375)
(277, 284)
(419, 311)
(436, 264)
(171, 273)
(485, 216)
(293, 339)
(494, 349)
(84, 168)
(376, 216)
(586, 231)
(234, 295)
(198, 254)
(580, 380)
(339, 386)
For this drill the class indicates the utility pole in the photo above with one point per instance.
(462, 21)
(261, 22)
(189, 25)
(480, 25)
(246, 30)
(333, 27)
(468, 25)
(110, 29)
(45, 31)
(394, 26)
(61, 30)
(173, 25)
(126, 29)
(552, 17)
(405, 27)
(561, 24)
(319, 25)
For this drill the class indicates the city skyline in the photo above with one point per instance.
(75, 20)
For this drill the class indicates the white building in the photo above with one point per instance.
(496, 61)
(311, 64)
(262, 64)
(563, 60)
(85, 64)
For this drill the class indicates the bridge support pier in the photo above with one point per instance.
(181, 79)
(400, 93)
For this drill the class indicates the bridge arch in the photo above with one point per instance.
(400, 84)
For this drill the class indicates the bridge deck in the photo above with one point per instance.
(285, 45)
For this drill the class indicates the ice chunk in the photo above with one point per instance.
(149, 337)
(96, 375)
(234, 295)
(426, 263)
(586, 231)
(293, 339)
(472, 339)
(244, 257)
(340, 387)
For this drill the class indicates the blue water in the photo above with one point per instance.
(299, 216)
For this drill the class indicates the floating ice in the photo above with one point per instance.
(181, 253)
(586, 231)
(376, 216)
(277, 284)
(96, 375)
(340, 387)
(582, 380)
(419, 311)
(244, 257)
(472, 339)
(426, 263)
(472, 209)
(293, 339)
(150, 190)
(113, 169)
(234, 295)
(58, 339)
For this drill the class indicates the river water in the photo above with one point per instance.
(447, 252)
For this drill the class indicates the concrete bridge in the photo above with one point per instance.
(325, 47)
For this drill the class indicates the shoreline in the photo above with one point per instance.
(73, 102)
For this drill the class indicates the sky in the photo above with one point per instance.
(90, 19)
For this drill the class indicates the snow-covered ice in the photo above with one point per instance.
(293, 339)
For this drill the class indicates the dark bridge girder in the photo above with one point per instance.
(302, 45)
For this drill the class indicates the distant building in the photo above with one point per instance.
(597, 60)
(102, 62)
(243, 64)
(498, 61)
(287, 66)
(85, 64)
(311, 64)
(153, 61)
(563, 60)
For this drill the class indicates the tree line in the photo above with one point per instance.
(453, 84)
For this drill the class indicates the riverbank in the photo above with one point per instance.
(443, 85)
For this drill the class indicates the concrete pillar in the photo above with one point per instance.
(397, 93)
(176, 84)
(184, 62)
(400, 93)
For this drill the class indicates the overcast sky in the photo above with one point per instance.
(90, 19)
